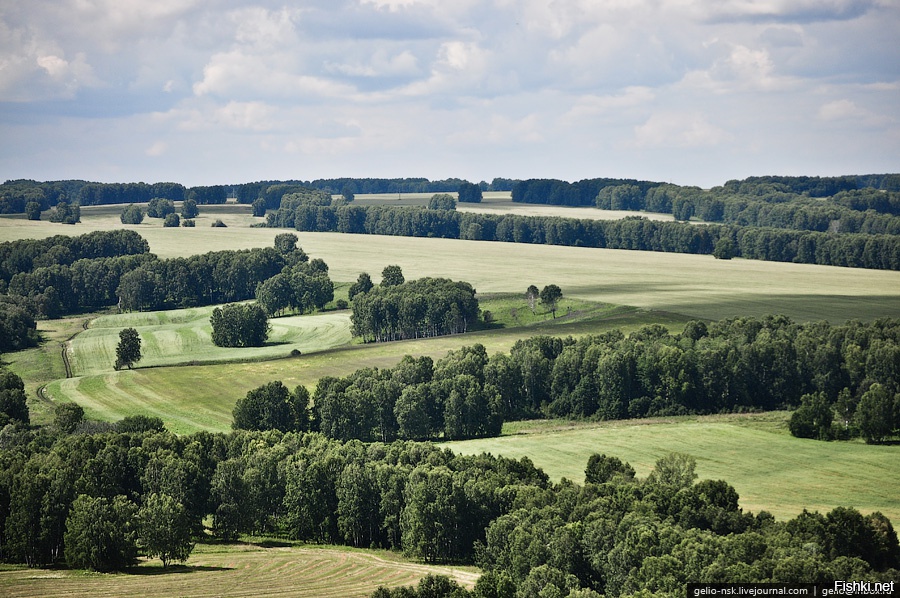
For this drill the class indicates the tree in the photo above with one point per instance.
(531, 295)
(160, 208)
(13, 405)
(441, 201)
(724, 249)
(100, 533)
(67, 416)
(132, 214)
(392, 276)
(676, 470)
(272, 407)
(33, 210)
(237, 325)
(128, 352)
(874, 414)
(65, 213)
(286, 243)
(469, 193)
(601, 469)
(189, 209)
(813, 418)
(259, 207)
(550, 296)
(165, 529)
(363, 284)
(172, 220)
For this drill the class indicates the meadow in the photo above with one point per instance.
(257, 569)
(755, 453)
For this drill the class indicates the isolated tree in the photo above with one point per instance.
(33, 210)
(237, 325)
(392, 276)
(128, 352)
(531, 295)
(66, 213)
(362, 285)
(469, 193)
(100, 533)
(347, 193)
(189, 209)
(67, 416)
(132, 214)
(550, 296)
(172, 220)
(441, 201)
(160, 208)
(165, 529)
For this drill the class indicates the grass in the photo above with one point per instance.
(770, 469)
(201, 397)
(238, 570)
(184, 336)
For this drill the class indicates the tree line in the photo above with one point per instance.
(634, 232)
(141, 281)
(741, 364)
(15, 195)
(95, 498)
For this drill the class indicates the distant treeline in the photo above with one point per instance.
(615, 534)
(132, 278)
(15, 195)
(782, 245)
(249, 192)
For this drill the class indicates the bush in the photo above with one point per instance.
(171, 221)
(132, 214)
(188, 223)
(218, 223)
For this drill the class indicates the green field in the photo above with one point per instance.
(183, 336)
(237, 571)
(201, 397)
(770, 469)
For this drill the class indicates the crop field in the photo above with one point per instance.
(238, 570)
(184, 336)
(784, 474)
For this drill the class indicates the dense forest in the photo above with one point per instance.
(614, 535)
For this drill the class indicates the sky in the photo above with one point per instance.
(693, 92)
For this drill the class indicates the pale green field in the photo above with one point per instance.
(770, 469)
(695, 285)
(202, 397)
(238, 570)
(183, 336)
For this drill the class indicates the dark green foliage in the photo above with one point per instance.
(160, 208)
(469, 193)
(215, 194)
(33, 210)
(187, 223)
(13, 406)
(67, 416)
(139, 424)
(601, 469)
(65, 213)
(441, 201)
(132, 214)
(217, 223)
(392, 276)
(272, 407)
(189, 209)
(363, 284)
(18, 330)
(128, 351)
(550, 296)
(171, 220)
(259, 207)
(875, 414)
(100, 534)
(416, 309)
(165, 529)
(813, 418)
(724, 249)
(305, 287)
(238, 325)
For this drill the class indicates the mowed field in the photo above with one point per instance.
(184, 336)
(238, 571)
(755, 453)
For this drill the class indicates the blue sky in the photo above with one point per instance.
(229, 91)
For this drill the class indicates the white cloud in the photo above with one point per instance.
(157, 149)
(678, 130)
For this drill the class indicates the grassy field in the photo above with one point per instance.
(238, 570)
(201, 397)
(770, 469)
(184, 336)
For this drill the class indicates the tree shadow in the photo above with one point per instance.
(173, 569)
